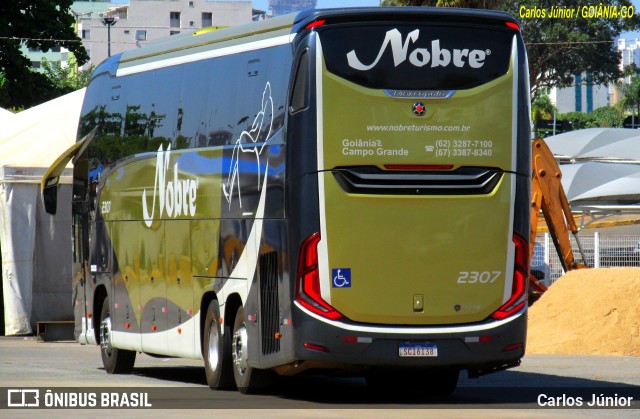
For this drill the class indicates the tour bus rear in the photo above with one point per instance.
(422, 177)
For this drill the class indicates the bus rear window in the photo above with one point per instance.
(417, 56)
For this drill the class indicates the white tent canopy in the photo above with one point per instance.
(596, 183)
(605, 177)
(36, 261)
(5, 115)
(599, 144)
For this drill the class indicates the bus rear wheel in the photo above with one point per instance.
(115, 361)
(217, 350)
(249, 380)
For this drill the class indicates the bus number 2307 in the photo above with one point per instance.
(476, 277)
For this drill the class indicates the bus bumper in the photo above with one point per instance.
(480, 348)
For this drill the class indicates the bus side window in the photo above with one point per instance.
(300, 93)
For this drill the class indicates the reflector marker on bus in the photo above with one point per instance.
(478, 339)
(357, 339)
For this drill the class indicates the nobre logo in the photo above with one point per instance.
(176, 196)
(420, 57)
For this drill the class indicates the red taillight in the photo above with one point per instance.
(316, 23)
(513, 347)
(315, 347)
(513, 25)
(520, 274)
(308, 287)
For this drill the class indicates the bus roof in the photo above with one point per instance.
(199, 41)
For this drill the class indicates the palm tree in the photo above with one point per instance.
(630, 94)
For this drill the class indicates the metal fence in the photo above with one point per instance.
(601, 251)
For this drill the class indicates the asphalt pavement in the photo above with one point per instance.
(177, 387)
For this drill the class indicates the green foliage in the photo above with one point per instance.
(578, 120)
(66, 79)
(609, 117)
(541, 107)
(560, 48)
(40, 24)
(630, 99)
(604, 117)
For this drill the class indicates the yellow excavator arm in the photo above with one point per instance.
(548, 196)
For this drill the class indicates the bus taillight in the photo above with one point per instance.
(308, 285)
(513, 25)
(316, 23)
(520, 274)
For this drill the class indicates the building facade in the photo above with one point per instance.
(140, 22)
(582, 96)
(143, 21)
(283, 7)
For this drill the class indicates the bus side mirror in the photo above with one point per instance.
(50, 196)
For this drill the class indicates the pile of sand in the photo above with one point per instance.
(588, 311)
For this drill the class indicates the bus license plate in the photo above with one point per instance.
(418, 350)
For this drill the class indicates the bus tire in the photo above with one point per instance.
(217, 350)
(249, 380)
(115, 361)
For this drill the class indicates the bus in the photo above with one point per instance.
(340, 190)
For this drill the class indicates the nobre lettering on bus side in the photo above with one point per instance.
(419, 57)
(176, 196)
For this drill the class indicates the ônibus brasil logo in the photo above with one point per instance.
(419, 57)
(176, 196)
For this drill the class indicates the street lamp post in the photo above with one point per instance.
(108, 21)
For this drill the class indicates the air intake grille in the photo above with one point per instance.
(269, 306)
(373, 180)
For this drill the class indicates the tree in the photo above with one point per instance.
(631, 95)
(608, 116)
(477, 4)
(40, 24)
(559, 48)
(605, 116)
(541, 107)
(66, 79)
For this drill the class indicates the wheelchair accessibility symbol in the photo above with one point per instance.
(341, 277)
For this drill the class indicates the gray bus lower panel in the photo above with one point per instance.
(322, 345)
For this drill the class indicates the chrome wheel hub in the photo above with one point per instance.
(213, 352)
(105, 335)
(239, 349)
